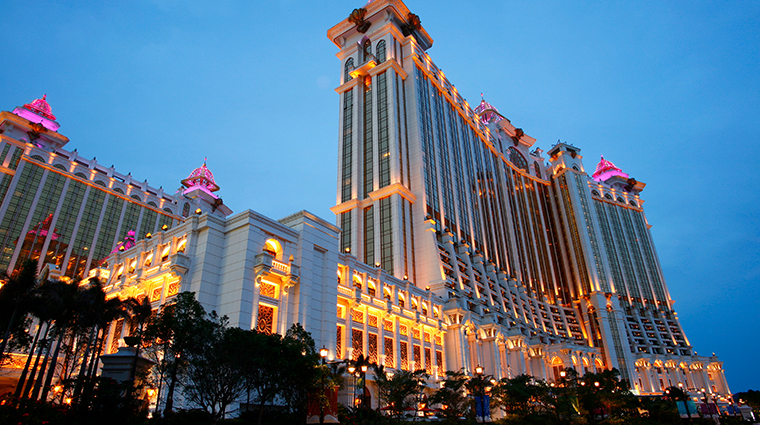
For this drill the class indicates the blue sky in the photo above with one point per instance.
(668, 91)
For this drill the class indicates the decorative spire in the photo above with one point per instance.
(487, 112)
(201, 178)
(38, 112)
(606, 169)
(41, 107)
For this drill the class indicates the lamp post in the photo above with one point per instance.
(351, 370)
(364, 386)
(482, 395)
(707, 405)
(323, 353)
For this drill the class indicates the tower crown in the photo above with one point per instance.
(201, 178)
(606, 169)
(487, 112)
(39, 111)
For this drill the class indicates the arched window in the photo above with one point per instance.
(607, 196)
(136, 197)
(273, 247)
(357, 282)
(380, 51)
(169, 210)
(619, 199)
(152, 204)
(633, 203)
(60, 167)
(367, 49)
(595, 193)
(537, 169)
(348, 69)
(81, 176)
(101, 182)
(517, 159)
(119, 190)
(186, 210)
(38, 158)
(575, 167)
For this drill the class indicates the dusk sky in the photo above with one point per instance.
(668, 91)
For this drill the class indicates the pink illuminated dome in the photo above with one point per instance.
(606, 169)
(41, 107)
(487, 112)
(201, 178)
(38, 112)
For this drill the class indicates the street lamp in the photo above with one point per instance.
(351, 370)
(479, 373)
(323, 353)
(364, 386)
(707, 403)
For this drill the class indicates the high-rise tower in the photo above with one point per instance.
(540, 265)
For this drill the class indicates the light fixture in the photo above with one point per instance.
(596, 384)
(377, 264)
(323, 352)
(165, 227)
(364, 368)
(351, 369)
(562, 373)
(347, 250)
(148, 235)
(478, 370)
(198, 211)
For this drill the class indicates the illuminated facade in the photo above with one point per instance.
(65, 211)
(539, 265)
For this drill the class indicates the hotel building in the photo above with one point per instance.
(540, 265)
(458, 242)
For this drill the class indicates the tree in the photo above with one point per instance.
(678, 394)
(213, 373)
(516, 396)
(298, 364)
(139, 313)
(750, 398)
(14, 297)
(174, 329)
(399, 390)
(604, 394)
(452, 395)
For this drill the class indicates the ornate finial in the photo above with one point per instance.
(481, 96)
(205, 158)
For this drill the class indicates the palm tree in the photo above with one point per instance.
(14, 295)
(66, 293)
(139, 313)
(46, 307)
(98, 313)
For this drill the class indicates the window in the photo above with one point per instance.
(367, 49)
(389, 360)
(357, 339)
(186, 210)
(266, 319)
(517, 159)
(348, 68)
(274, 248)
(381, 51)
